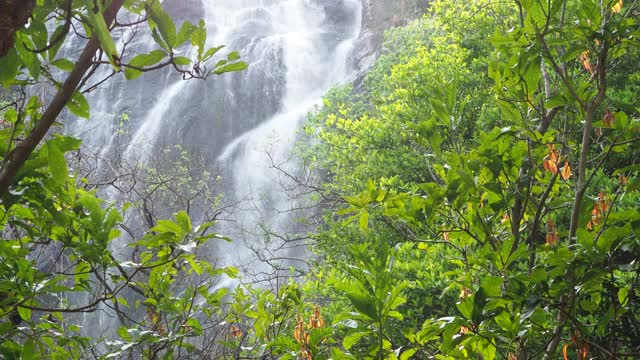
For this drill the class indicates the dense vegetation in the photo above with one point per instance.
(488, 172)
(480, 200)
(67, 258)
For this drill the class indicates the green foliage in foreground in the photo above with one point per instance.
(73, 284)
(490, 200)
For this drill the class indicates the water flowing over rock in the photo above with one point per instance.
(244, 123)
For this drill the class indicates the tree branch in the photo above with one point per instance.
(21, 153)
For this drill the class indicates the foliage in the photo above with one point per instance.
(65, 263)
(482, 202)
(494, 146)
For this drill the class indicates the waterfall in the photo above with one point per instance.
(242, 122)
(314, 56)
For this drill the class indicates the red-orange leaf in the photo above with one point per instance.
(465, 293)
(584, 58)
(584, 350)
(565, 172)
(603, 201)
(235, 331)
(553, 154)
(622, 180)
(550, 166)
(608, 119)
(617, 7)
(564, 352)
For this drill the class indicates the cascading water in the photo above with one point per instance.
(314, 49)
(243, 122)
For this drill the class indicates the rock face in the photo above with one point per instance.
(377, 16)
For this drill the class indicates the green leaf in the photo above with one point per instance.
(492, 285)
(78, 105)
(64, 64)
(57, 163)
(89, 202)
(352, 339)
(336, 354)
(623, 296)
(164, 22)
(488, 351)
(182, 218)
(194, 324)
(29, 350)
(158, 39)
(364, 221)
(612, 236)
(555, 101)
(317, 335)
(231, 67)
(142, 61)
(212, 51)
(101, 30)
(407, 354)
(233, 56)
(29, 58)
(168, 226)
(184, 34)
(465, 306)
(56, 46)
(24, 313)
(363, 303)
(181, 60)
(9, 65)
(198, 38)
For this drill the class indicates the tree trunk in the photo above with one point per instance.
(14, 14)
(23, 150)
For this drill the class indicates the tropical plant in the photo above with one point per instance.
(65, 263)
(504, 145)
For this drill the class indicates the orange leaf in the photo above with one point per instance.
(550, 166)
(553, 155)
(608, 119)
(564, 352)
(622, 180)
(584, 58)
(565, 172)
(617, 7)
(235, 331)
(584, 350)
(445, 236)
(465, 293)
(596, 214)
(603, 200)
